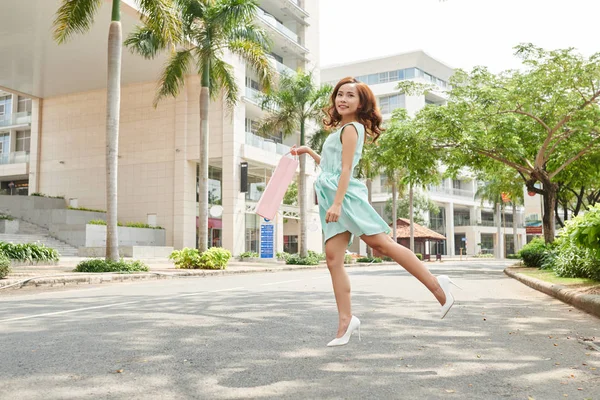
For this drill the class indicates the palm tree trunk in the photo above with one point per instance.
(302, 196)
(203, 167)
(394, 211)
(412, 218)
(113, 105)
(370, 198)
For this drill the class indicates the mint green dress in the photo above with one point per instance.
(357, 216)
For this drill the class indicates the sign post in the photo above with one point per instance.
(267, 239)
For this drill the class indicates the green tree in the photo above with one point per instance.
(295, 102)
(211, 28)
(76, 17)
(407, 146)
(539, 122)
(422, 205)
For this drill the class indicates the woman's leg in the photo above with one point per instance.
(407, 259)
(335, 250)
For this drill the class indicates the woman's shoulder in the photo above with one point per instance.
(357, 125)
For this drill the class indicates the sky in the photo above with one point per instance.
(459, 33)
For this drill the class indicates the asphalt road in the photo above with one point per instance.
(264, 336)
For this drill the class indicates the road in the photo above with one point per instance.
(264, 335)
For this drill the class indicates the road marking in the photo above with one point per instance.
(209, 291)
(69, 311)
(277, 283)
(108, 305)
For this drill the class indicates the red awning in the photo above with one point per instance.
(213, 223)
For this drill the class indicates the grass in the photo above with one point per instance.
(589, 286)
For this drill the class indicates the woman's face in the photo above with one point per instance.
(347, 101)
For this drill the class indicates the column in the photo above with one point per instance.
(186, 150)
(35, 145)
(450, 229)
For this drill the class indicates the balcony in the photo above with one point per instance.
(16, 157)
(452, 192)
(287, 35)
(281, 68)
(21, 118)
(266, 144)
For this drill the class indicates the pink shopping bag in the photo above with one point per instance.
(278, 184)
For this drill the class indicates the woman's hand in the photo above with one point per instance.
(296, 151)
(333, 214)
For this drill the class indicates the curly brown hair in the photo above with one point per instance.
(368, 114)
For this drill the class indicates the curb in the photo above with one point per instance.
(97, 278)
(586, 302)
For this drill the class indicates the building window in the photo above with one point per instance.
(23, 141)
(387, 104)
(24, 105)
(252, 126)
(290, 244)
(252, 232)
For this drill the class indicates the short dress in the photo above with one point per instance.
(357, 216)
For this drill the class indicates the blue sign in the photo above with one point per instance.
(267, 240)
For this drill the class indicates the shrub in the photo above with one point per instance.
(483, 256)
(532, 253)
(368, 260)
(30, 252)
(4, 265)
(249, 254)
(186, 258)
(319, 256)
(387, 258)
(38, 194)
(86, 209)
(101, 265)
(513, 256)
(213, 258)
(348, 259)
(6, 217)
(295, 259)
(282, 256)
(419, 256)
(575, 255)
(584, 230)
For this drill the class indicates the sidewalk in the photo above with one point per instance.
(586, 302)
(160, 268)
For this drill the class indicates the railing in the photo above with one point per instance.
(269, 19)
(452, 191)
(16, 157)
(282, 68)
(266, 144)
(253, 94)
(16, 119)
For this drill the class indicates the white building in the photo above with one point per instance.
(52, 127)
(463, 219)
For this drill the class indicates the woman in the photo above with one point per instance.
(344, 209)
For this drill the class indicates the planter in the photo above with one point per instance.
(7, 226)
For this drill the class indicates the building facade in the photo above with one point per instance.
(469, 225)
(52, 129)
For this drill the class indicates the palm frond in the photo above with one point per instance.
(173, 77)
(145, 42)
(229, 14)
(74, 16)
(162, 17)
(317, 140)
(285, 121)
(223, 75)
(256, 57)
(252, 33)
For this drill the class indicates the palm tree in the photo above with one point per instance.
(294, 103)
(368, 169)
(77, 16)
(210, 28)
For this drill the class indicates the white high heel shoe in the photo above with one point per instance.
(445, 282)
(352, 326)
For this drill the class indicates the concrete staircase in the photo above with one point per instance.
(31, 233)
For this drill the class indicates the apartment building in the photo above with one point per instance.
(52, 128)
(466, 222)
(15, 143)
